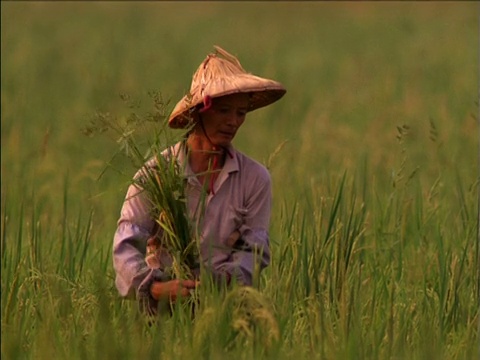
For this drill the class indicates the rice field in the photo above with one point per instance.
(373, 154)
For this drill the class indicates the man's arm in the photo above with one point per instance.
(252, 249)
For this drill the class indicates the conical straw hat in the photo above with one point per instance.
(222, 74)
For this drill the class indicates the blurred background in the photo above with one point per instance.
(374, 89)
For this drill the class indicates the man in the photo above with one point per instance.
(235, 191)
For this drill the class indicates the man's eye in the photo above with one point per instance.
(241, 113)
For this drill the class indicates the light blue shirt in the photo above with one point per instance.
(241, 201)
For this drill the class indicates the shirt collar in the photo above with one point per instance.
(179, 152)
(231, 160)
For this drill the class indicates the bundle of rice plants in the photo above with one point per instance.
(165, 185)
(146, 141)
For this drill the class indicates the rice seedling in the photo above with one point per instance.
(160, 178)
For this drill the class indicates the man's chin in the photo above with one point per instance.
(223, 144)
(224, 141)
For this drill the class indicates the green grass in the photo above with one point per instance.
(374, 229)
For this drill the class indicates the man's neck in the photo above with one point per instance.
(203, 156)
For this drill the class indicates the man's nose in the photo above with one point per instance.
(233, 120)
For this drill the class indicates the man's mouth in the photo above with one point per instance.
(227, 133)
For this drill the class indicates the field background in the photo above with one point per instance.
(375, 217)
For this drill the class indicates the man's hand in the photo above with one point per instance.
(171, 290)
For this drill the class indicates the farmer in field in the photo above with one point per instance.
(234, 238)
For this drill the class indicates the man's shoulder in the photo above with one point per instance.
(152, 164)
(251, 166)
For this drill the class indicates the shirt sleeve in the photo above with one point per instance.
(135, 227)
(252, 252)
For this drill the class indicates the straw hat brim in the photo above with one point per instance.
(262, 92)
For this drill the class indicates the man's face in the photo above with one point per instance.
(225, 116)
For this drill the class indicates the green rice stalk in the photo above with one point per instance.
(161, 179)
